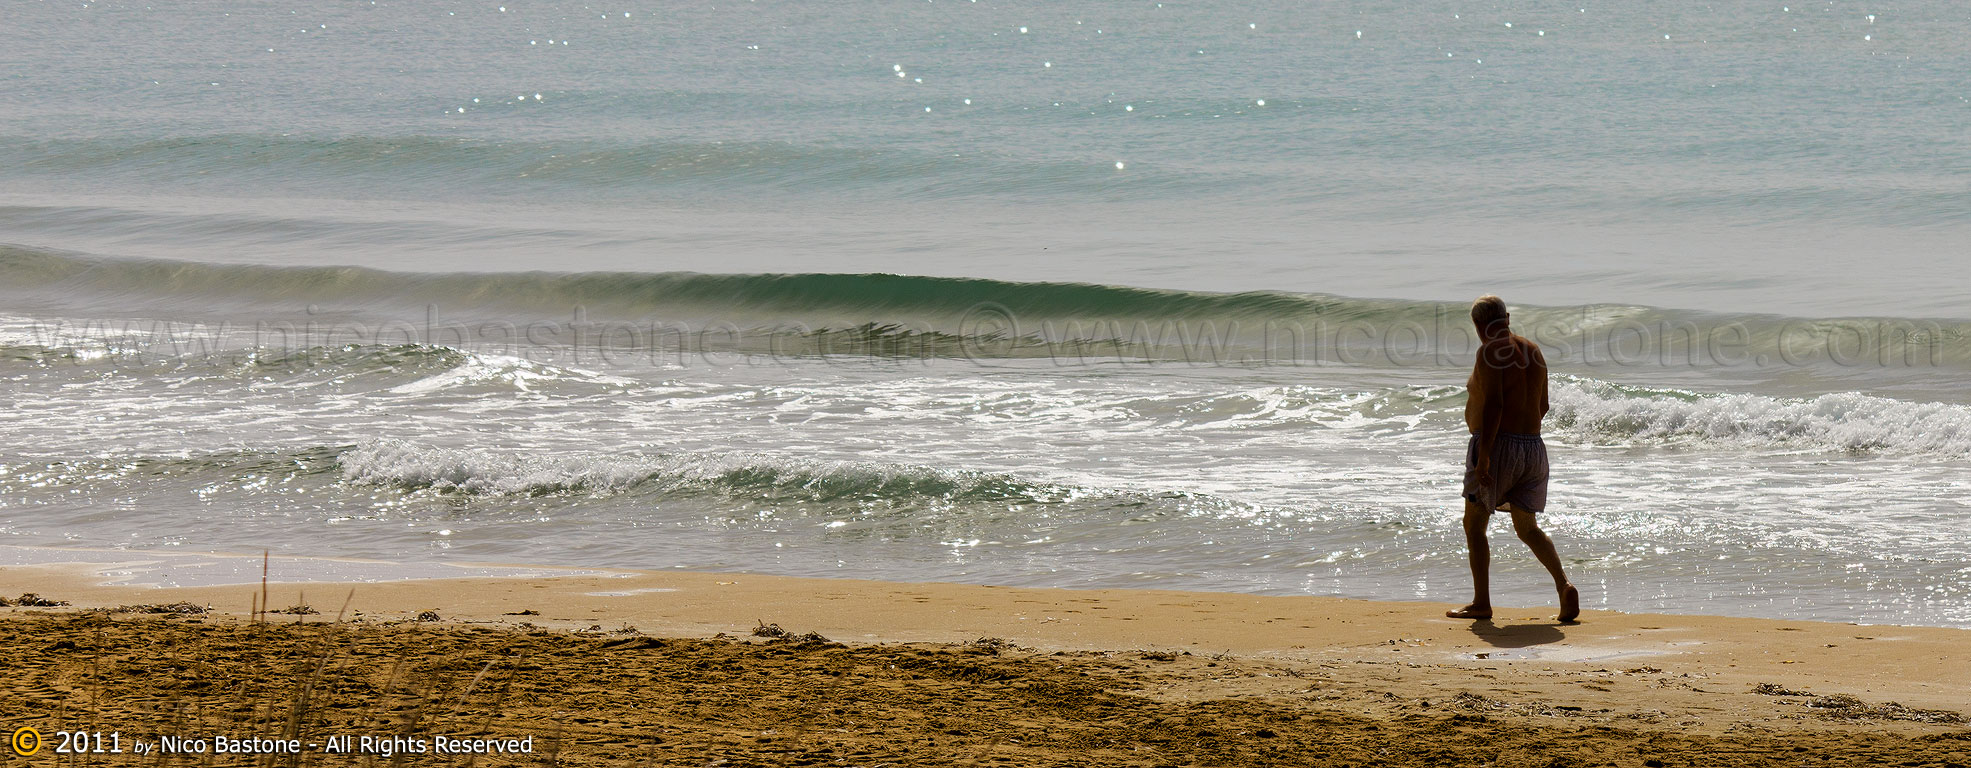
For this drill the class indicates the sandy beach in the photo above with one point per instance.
(878, 384)
(673, 668)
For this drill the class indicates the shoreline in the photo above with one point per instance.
(163, 569)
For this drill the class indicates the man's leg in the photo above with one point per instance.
(1476, 517)
(1528, 528)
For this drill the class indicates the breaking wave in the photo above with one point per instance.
(1847, 421)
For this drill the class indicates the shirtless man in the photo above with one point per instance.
(1506, 462)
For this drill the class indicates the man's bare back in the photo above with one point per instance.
(1508, 384)
(1506, 461)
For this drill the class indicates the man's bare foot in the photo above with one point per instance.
(1570, 604)
(1473, 611)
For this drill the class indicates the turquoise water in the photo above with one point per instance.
(1076, 294)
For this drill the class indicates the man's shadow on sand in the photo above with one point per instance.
(1517, 635)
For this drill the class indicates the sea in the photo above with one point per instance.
(1087, 293)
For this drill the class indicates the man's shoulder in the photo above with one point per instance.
(1527, 347)
(1532, 350)
(1510, 351)
(1508, 347)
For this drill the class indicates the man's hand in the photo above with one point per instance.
(1485, 471)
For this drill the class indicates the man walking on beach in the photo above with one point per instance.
(1506, 461)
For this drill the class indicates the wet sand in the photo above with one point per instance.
(670, 668)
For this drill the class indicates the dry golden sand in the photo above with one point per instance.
(625, 669)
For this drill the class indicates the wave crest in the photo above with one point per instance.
(925, 316)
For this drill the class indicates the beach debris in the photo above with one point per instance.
(524, 612)
(774, 633)
(1469, 700)
(1842, 706)
(182, 607)
(32, 600)
(428, 614)
(301, 609)
(993, 644)
(625, 629)
(1472, 702)
(632, 644)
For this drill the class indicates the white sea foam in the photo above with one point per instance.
(522, 374)
(1846, 421)
(491, 472)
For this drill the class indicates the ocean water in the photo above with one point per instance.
(1137, 294)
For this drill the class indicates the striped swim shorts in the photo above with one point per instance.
(1519, 473)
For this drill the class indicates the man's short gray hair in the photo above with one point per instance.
(1488, 309)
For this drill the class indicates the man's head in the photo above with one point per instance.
(1489, 314)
